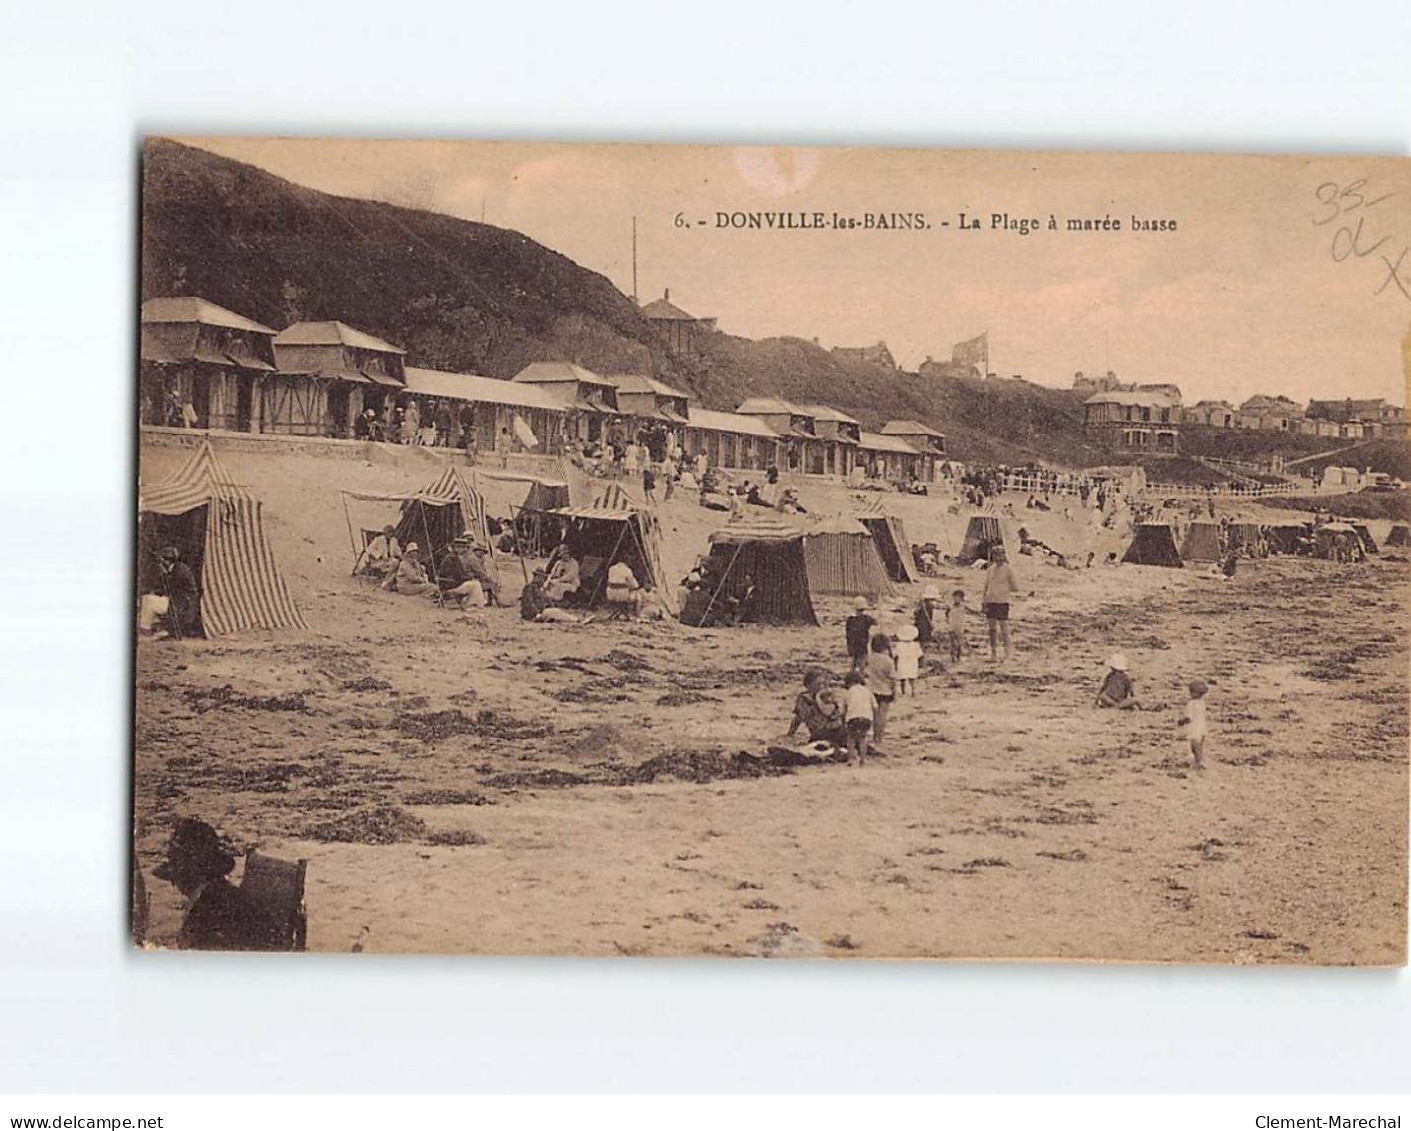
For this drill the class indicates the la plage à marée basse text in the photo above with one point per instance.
(1326, 1122)
(921, 221)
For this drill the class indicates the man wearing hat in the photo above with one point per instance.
(532, 600)
(181, 591)
(219, 915)
(463, 576)
(1117, 690)
(382, 554)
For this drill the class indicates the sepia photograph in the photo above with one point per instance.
(773, 552)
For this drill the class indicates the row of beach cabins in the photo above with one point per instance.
(203, 366)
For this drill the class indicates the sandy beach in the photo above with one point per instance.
(466, 782)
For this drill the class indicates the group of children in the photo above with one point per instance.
(1118, 692)
(883, 669)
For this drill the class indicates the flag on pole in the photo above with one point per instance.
(974, 351)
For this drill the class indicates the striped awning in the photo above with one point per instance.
(444, 491)
(761, 528)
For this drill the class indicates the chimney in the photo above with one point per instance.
(666, 294)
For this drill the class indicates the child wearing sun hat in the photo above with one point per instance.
(1117, 690)
(907, 654)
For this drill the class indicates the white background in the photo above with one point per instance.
(80, 83)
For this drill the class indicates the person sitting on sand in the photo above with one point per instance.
(564, 578)
(410, 580)
(532, 601)
(818, 710)
(1117, 690)
(926, 615)
(219, 915)
(624, 592)
(382, 554)
(463, 576)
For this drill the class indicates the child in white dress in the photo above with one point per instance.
(907, 654)
(1194, 720)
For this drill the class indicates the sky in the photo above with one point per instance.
(1266, 285)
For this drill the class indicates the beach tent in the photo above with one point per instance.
(432, 517)
(1369, 544)
(219, 528)
(1287, 537)
(1153, 544)
(892, 544)
(1201, 543)
(842, 560)
(770, 552)
(1247, 538)
(610, 530)
(1399, 535)
(983, 532)
(1336, 541)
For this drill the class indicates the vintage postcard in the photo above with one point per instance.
(850, 553)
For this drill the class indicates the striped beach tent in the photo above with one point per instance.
(241, 585)
(767, 553)
(842, 560)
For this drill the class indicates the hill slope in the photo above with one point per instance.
(472, 297)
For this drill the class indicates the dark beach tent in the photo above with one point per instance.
(433, 517)
(1247, 539)
(1399, 535)
(843, 561)
(1336, 541)
(1369, 544)
(1202, 543)
(893, 545)
(610, 530)
(1288, 537)
(770, 553)
(219, 527)
(982, 533)
(1154, 545)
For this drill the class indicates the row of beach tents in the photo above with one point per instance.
(219, 528)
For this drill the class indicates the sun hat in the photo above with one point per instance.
(194, 850)
(1117, 661)
(906, 632)
(860, 603)
(930, 594)
(410, 547)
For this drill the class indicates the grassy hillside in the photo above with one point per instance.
(1393, 457)
(472, 297)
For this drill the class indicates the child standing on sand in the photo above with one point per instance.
(881, 672)
(859, 705)
(858, 631)
(907, 654)
(955, 624)
(1194, 721)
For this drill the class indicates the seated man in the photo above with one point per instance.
(382, 554)
(564, 578)
(695, 601)
(182, 592)
(464, 576)
(454, 576)
(410, 580)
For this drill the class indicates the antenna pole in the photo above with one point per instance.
(634, 260)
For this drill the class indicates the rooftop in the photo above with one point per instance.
(664, 310)
(1140, 399)
(731, 422)
(826, 412)
(876, 442)
(472, 387)
(636, 383)
(770, 406)
(332, 334)
(558, 372)
(189, 308)
(909, 428)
